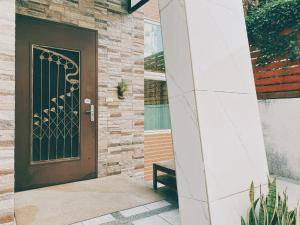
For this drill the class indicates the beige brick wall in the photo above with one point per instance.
(7, 105)
(120, 48)
(120, 56)
(151, 10)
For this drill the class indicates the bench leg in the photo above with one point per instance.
(154, 177)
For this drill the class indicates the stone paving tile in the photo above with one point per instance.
(99, 220)
(156, 213)
(152, 220)
(171, 216)
(157, 205)
(134, 211)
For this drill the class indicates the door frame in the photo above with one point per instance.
(18, 114)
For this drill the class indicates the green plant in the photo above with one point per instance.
(122, 87)
(267, 24)
(271, 209)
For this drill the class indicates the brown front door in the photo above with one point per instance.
(55, 98)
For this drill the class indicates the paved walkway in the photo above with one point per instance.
(157, 213)
(69, 203)
(165, 212)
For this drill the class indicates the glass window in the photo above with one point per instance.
(157, 115)
(153, 52)
(153, 39)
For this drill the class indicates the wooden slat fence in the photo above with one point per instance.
(157, 147)
(279, 79)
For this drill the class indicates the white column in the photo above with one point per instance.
(217, 136)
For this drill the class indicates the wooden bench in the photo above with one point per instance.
(169, 175)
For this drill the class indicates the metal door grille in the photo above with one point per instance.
(55, 104)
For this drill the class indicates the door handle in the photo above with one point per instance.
(91, 111)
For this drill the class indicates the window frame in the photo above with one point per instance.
(150, 75)
(153, 22)
(159, 77)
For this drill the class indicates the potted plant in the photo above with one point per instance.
(271, 209)
(122, 88)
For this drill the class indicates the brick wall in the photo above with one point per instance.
(7, 105)
(158, 147)
(151, 10)
(120, 56)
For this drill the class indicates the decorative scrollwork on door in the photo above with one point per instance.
(55, 103)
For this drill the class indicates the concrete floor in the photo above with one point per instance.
(166, 212)
(116, 200)
(73, 202)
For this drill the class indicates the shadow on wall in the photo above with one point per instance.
(279, 166)
(281, 124)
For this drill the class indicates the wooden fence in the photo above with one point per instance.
(158, 147)
(279, 79)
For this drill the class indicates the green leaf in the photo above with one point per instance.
(262, 214)
(275, 220)
(252, 193)
(297, 222)
(272, 201)
(292, 216)
(265, 24)
(252, 217)
(243, 221)
(255, 203)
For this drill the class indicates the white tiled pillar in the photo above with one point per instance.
(216, 129)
